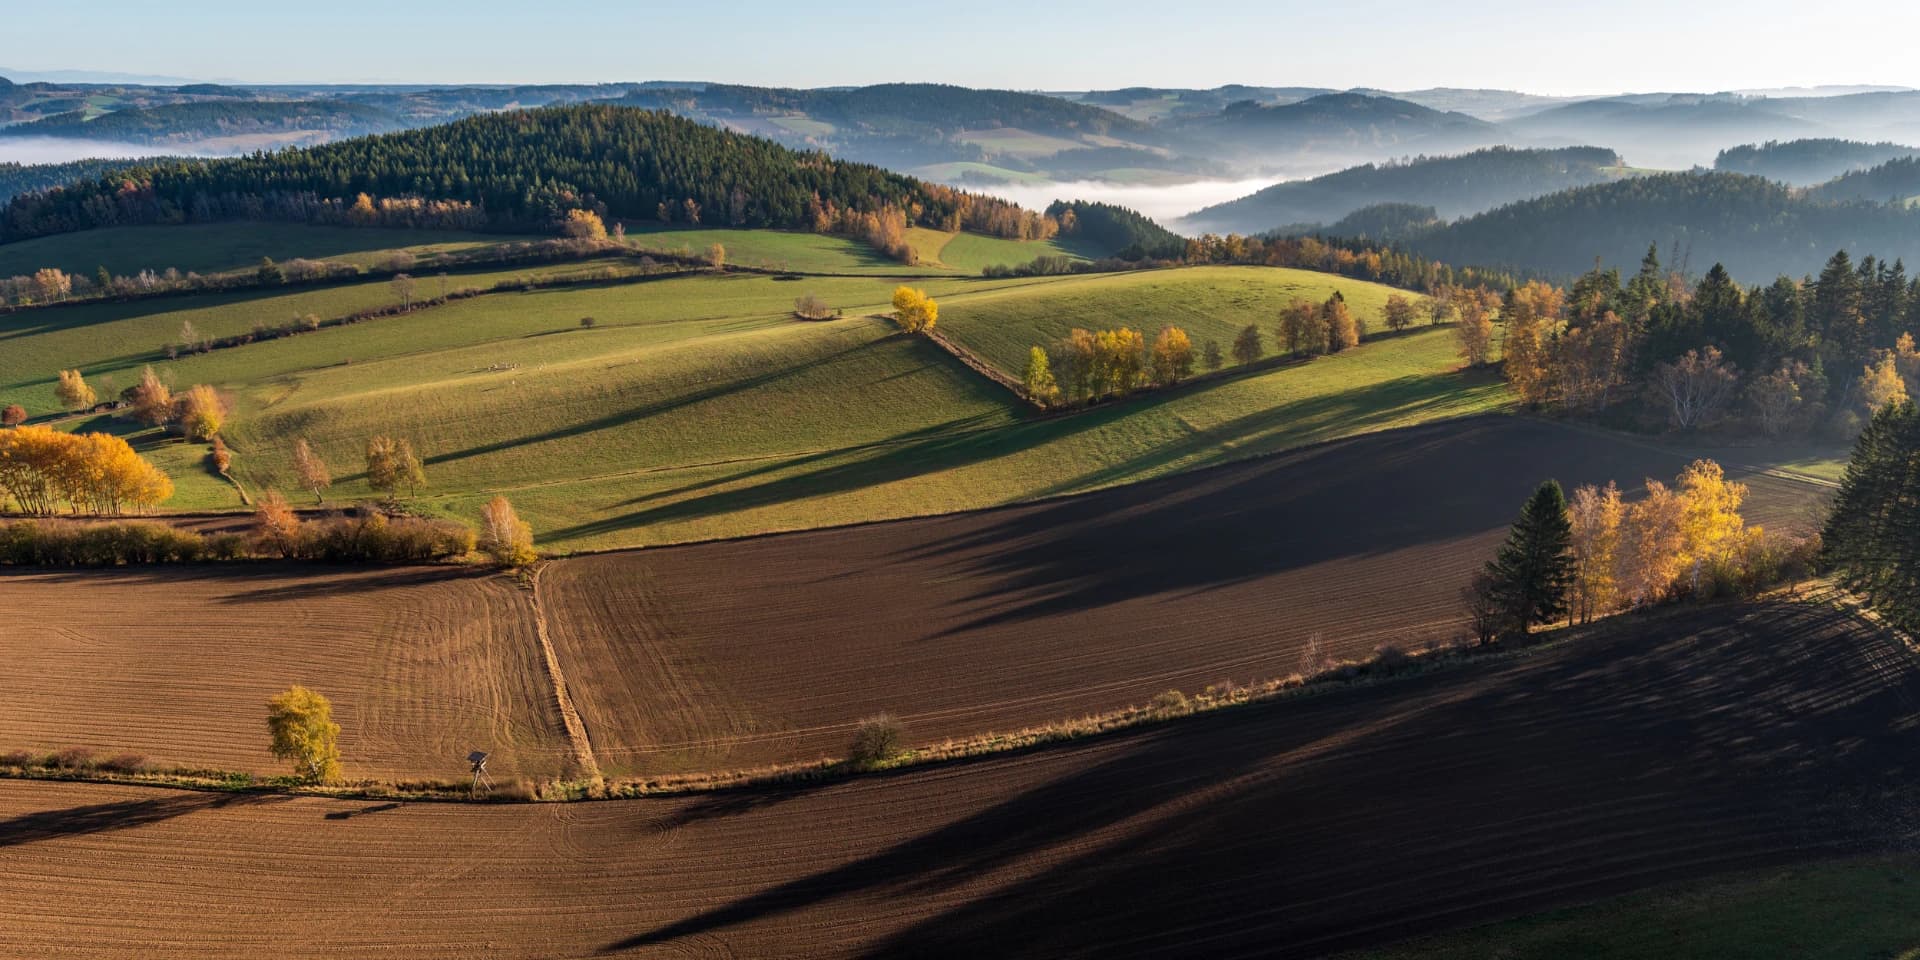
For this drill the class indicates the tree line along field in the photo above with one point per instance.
(1296, 828)
(961, 625)
(215, 247)
(935, 251)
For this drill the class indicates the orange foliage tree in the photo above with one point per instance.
(42, 469)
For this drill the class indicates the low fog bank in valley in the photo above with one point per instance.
(1162, 202)
(63, 150)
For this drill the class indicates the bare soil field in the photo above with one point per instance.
(1658, 748)
(423, 664)
(743, 653)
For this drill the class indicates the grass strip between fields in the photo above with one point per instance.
(1387, 665)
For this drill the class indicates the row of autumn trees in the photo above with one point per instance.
(43, 470)
(1089, 365)
(1598, 554)
(1785, 358)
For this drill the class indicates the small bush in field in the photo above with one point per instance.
(16, 758)
(878, 740)
(124, 763)
(1169, 702)
(1389, 659)
(70, 758)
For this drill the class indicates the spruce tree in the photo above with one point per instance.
(1533, 572)
(1872, 536)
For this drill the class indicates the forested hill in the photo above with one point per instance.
(522, 170)
(1128, 234)
(1454, 186)
(18, 178)
(1756, 227)
(1808, 162)
(1895, 181)
(182, 122)
(1336, 129)
(904, 109)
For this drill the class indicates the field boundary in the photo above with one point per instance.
(576, 728)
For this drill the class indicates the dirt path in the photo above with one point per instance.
(586, 767)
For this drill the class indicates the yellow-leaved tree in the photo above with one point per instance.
(913, 310)
(584, 225)
(1475, 329)
(1172, 356)
(1595, 516)
(1041, 387)
(1651, 540)
(311, 470)
(201, 413)
(1531, 313)
(504, 536)
(1713, 533)
(300, 725)
(73, 392)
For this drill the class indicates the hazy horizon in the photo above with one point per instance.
(1367, 43)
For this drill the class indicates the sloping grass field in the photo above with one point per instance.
(1209, 303)
(698, 407)
(215, 247)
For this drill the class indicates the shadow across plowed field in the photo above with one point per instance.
(756, 651)
(1659, 747)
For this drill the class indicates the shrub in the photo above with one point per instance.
(587, 323)
(16, 758)
(877, 740)
(226, 546)
(70, 758)
(378, 539)
(106, 544)
(124, 763)
(1389, 659)
(1169, 703)
(13, 415)
(811, 307)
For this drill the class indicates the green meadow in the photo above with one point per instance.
(216, 247)
(697, 406)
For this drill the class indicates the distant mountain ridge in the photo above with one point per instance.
(1755, 226)
(1450, 186)
(1808, 162)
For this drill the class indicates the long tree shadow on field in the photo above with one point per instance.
(908, 456)
(242, 583)
(1212, 529)
(119, 815)
(643, 411)
(1689, 746)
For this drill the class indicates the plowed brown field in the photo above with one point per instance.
(1663, 748)
(422, 664)
(736, 654)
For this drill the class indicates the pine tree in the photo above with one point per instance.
(1872, 536)
(1534, 570)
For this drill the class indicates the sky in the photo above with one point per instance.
(1545, 46)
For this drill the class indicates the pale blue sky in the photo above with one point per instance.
(1541, 46)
